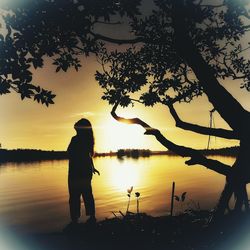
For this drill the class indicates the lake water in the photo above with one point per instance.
(34, 196)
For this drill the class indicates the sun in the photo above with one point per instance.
(114, 135)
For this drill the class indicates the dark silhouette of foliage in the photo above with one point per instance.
(158, 64)
(186, 48)
(178, 52)
(61, 30)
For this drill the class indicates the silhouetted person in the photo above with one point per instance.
(81, 169)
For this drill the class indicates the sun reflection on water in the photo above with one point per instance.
(125, 177)
(39, 190)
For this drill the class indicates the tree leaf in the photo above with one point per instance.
(177, 198)
(137, 194)
(183, 196)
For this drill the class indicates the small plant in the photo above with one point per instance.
(129, 190)
(137, 195)
(180, 198)
(191, 205)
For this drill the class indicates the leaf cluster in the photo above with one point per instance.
(61, 29)
(153, 71)
(163, 74)
(127, 74)
(15, 71)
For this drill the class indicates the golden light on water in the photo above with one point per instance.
(125, 177)
(39, 192)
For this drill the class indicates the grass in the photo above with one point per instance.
(187, 231)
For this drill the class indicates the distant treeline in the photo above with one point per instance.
(24, 155)
(230, 151)
(134, 153)
(19, 155)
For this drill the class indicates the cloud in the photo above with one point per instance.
(84, 114)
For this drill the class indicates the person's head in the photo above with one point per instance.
(84, 129)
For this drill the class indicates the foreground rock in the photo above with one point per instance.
(190, 230)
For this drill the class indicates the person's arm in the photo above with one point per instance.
(70, 147)
(95, 171)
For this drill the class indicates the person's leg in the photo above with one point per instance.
(74, 201)
(88, 199)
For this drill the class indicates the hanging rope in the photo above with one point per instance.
(214, 127)
(211, 123)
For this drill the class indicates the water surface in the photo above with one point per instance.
(34, 196)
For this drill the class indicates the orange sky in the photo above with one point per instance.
(26, 124)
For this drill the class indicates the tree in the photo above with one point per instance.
(156, 59)
(62, 30)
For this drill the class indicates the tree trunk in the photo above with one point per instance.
(223, 203)
(236, 184)
(226, 105)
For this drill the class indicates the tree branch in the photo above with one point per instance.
(107, 23)
(212, 6)
(219, 132)
(246, 27)
(114, 40)
(196, 156)
(227, 106)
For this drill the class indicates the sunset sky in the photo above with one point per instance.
(27, 124)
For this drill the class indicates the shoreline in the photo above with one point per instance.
(31, 155)
(189, 230)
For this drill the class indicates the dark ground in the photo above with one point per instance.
(190, 230)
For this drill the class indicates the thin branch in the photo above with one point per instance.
(219, 132)
(79, 48)
(196, 156)
(114, 40)
(108, 23)
(227, 106)
(231, 71)
(136, 100)
(246, 27)
(131, 120)
(14, 88)
(212, 6)
(180, 97)
(245, 49)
